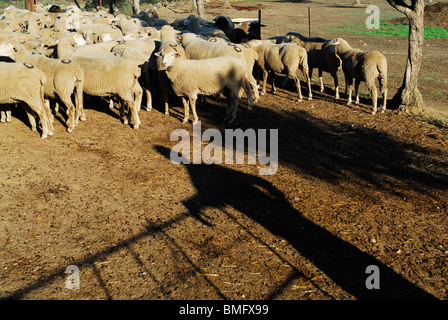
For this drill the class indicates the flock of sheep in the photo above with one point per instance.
(57, 57)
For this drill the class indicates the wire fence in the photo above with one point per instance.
(274, 30)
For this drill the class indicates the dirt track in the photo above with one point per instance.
(351, 190)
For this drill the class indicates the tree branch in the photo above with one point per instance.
(401, 6)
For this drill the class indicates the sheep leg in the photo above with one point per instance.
(308, 80)
(147, 88)
(6, 114)
(348, 89)
(138, 97)
(148, 99)
(131, 101)
(321, 80)
(133, 114)
(31, 116)
(43, 118)
(233, 105)
(273, 82)
(66, 99)
(186, 110)
(299, 90)
(357, 82)
(56, 107)
(336, 84)
(374, 93)
(193, 109)
(383, 108)
(79, 102)
(248, 89)
(49, 115)
(123, 107)
(254, 87)
(382, 82)
(265, 80)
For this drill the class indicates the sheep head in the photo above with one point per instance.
(330, 51)
(340, 45)
(7, 49)
(167, 57)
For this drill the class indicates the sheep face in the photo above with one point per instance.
(168, 58)
(6, 49)
(79, 40)
(106, 37)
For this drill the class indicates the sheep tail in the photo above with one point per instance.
(382, 75)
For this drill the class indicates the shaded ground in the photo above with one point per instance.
(351, 190)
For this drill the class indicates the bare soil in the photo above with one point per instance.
(436, 15)
(352, 190)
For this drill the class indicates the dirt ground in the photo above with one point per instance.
(436, 15)
(352, 190)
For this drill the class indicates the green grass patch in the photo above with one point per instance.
(395, 30)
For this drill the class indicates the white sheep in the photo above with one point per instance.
(142, 60)
(319, 56)
(64, 79)
(146, 46)
(283, 58)
(133, 29)
(107, 75)
(190, 78)
(363, 67)
(101, 28)
(22, 82)
(168, 37)
(67, 46)
(197, 48)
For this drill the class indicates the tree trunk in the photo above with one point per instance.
(408, 98)
(135, 7)
(201, 8)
